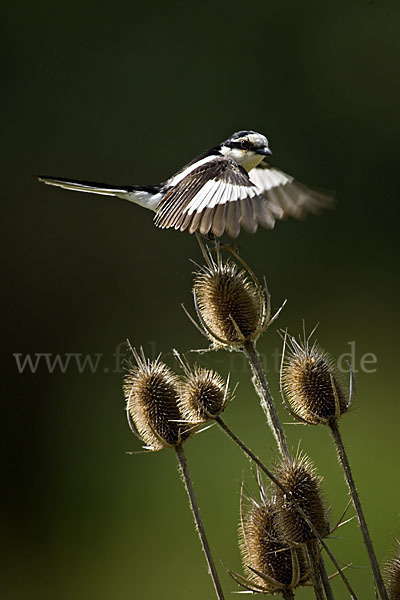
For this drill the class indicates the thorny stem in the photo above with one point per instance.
(288, 594)
(267, 403)
(357, 505)
(325, 580)
(199, 524)
(301, 512)
(313, 560)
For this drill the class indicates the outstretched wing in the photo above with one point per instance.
(292, 197)
(215, 197)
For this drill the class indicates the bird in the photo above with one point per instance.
(226, 188)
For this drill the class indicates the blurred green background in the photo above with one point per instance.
(127, 93)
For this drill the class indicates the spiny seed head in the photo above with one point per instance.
(300, 479)
(313, 384)
(151, 391)
(392, 572)
(230, 305)
(263, 550)
(203, 395)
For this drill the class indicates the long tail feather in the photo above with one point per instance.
(84, 186)
(145, 195)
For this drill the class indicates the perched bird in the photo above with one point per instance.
(227, 187)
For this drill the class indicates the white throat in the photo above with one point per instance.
(245, 158)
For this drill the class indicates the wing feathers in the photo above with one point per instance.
(233, 219)
(289, 196)
(206, 220)
(263, 214)
(247, 219)
(216, 196)
(194, 222)
(219, 220)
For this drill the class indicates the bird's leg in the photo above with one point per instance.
(218, 245)
(228, 247)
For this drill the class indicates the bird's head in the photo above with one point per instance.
(247, 148)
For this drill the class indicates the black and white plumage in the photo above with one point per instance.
(227, 187)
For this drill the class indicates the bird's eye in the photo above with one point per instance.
(245, 144)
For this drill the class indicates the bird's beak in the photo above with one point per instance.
(264, 151)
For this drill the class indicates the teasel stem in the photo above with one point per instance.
(314, 562)
(267, 403)
(334, 427)
(301, 512)
(184, 470)
(325, 580)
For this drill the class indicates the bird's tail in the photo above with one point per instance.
(146, 195)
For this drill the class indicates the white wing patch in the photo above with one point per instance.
(173, 181)
(216, 192)
(266, 179)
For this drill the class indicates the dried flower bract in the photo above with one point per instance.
(203, 395)
(230, 303)
(392, 569)
(271, 564)
(151, 391)
(299, 478)
(312, 383)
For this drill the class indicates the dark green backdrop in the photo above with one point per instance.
(127, 93)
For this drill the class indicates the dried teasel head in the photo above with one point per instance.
(299, 478)
(151, 392)
(392, 572)
(270, 563)
(231, 305)
(312, 387)
(203, 393)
